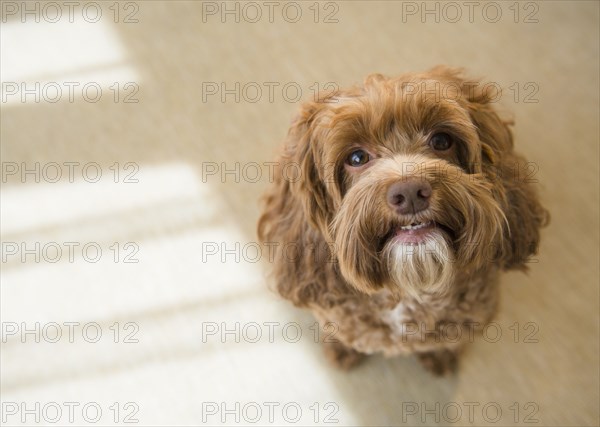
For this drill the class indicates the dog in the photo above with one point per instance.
(394, 207)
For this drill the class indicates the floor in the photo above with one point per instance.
(139, 294)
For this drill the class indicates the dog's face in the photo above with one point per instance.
(413, 179)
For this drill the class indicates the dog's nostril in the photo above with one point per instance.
(424, 193)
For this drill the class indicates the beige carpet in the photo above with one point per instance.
(174, 362)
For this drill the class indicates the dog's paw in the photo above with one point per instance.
(341, 356)
(439, 363)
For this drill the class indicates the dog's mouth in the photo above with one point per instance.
(413, 227)
(415, 233)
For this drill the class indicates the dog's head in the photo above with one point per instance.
(412, 179)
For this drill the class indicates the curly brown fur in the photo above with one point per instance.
(342, 246)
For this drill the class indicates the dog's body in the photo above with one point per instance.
(395, 206)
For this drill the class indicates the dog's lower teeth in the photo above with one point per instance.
(415, 226)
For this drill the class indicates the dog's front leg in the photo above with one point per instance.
(342, 356)
(439, 362)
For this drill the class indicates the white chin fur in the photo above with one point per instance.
(426, 267)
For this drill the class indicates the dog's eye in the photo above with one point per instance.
(358, 158)
(440, 141)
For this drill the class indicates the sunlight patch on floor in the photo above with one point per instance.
(62, 61)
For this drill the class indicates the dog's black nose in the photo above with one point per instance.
(409, 197)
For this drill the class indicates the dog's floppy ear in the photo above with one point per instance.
(513, 179)
(299, 186)
(297, 212)
(303, 156)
